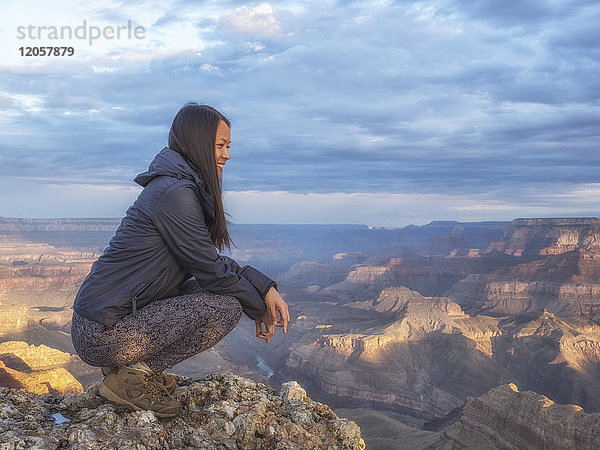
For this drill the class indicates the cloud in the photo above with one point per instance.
(456, 98)
(168, 19)
(255, 21)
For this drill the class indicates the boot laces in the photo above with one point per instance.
(155, 385)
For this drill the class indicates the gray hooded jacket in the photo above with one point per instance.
(162, 241)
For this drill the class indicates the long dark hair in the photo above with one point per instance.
(192, 135)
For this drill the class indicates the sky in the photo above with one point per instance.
(385, 113)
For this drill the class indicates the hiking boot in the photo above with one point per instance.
(168, 381)
(138, 388)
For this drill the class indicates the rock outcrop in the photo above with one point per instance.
(507, 418)
(221, 411)
(57, 380)
(36, 357)
(39, 369)
(502, 418)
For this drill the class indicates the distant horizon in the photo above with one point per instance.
(387, 227)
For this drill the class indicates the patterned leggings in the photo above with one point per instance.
(161, 333)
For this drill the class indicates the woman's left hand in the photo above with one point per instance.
(274, 303)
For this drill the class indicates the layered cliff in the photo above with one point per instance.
(535, 237)
(431, 276)
(422, 356)
(39, 274)
(502, 418)
(507, 418)
(556, 268)
(567, 284)
(311, 273)
(220, 411)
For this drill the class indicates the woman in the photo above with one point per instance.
(135, 314)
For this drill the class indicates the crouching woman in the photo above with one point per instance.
(144, 306)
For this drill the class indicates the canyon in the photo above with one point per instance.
(409, 326)
(525, 310)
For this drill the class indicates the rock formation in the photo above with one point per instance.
(503, 418)
(557, 269)
(39, 274)
(52, 318)
(221, 411)
(422, 356)
(507, 418)
(38, 357)
(535, 237)
(311, 273)
(18, 324)
(56, 380)
(38, 369)
(431, 276)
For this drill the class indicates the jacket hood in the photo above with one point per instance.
(171, 164)
(168, 163)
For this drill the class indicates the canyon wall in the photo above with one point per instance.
(510, 419)
(37, 274)
(533, 237)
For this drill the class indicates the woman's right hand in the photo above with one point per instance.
(274, 303)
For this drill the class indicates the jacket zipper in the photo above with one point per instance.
(135, 297)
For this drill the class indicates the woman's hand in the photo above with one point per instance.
(274, 303)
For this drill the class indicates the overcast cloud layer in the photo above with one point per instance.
(377, 112)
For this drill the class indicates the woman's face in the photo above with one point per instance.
(222, 141)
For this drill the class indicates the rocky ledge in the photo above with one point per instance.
(221, 411)
(510, 419)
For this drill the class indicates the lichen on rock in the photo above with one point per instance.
(222, 410)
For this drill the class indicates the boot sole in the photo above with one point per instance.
(111, 396)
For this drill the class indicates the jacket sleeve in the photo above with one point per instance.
(179, 219)
(259, 280)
